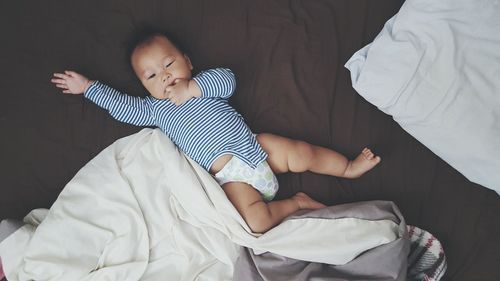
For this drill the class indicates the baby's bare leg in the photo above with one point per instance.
(259, 215)
(298, 156)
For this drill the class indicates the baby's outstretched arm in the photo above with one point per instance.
(71, 82)
(129, 109)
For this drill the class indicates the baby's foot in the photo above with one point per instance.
(306, 202)
(365, 161)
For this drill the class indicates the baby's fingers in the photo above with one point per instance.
(62, 86)
(58, 81)
(70, 73)
(61, 75)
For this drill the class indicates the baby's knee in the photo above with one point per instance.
(301, 156)
(258, 217)
(304, 149)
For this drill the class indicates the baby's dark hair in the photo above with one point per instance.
(145, 35)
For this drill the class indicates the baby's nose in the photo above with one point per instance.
(166, 77)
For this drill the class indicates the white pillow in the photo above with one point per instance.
(435, 67)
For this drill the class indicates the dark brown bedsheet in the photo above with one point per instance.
(288, 57)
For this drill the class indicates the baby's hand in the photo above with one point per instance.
(181, 91)
(71, 82)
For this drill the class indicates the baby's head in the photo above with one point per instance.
(158, 63)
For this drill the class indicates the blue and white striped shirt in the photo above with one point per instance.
(204, 128)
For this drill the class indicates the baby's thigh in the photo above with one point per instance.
(286, 155)
(277, 148)
(243, 196)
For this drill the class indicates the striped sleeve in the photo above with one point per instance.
(216, 83)
(124, 108)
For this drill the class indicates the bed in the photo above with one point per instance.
(288, 57)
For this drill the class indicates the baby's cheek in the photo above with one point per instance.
(158, 90)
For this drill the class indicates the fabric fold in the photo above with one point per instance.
(141, 210)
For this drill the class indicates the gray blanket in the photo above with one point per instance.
(416, 255)
(385, 262)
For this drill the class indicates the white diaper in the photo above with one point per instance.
(261, 178)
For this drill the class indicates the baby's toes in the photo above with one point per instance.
(368, 154)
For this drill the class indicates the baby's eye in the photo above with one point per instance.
(169, 64)
(151, 76)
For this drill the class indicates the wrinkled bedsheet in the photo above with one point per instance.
(141, 210)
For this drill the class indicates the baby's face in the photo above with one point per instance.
(159, 64)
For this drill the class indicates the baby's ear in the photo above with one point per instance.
(188, 61)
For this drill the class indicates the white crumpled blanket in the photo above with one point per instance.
(141, 210)
(435, 68)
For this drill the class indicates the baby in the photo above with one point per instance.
(195, 114)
